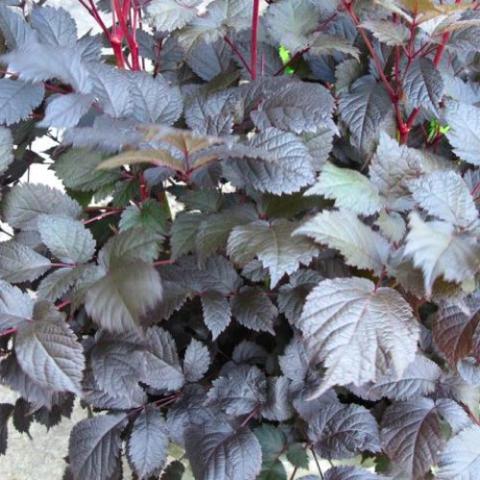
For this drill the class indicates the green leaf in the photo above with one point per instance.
(297, 455)
(132, 244)
(151, 215)
(184, 233)
(272, 243)
(78, 171)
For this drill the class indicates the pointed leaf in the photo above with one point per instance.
(196, 362)
(148, 443)
(218, 452)
(216, 312)
(272, 243)
(49, 352)
(94, 447)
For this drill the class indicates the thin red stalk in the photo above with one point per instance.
(237, 52)
(159, 263)
(64, 304)
(254, 42)
(441, 48)
(8, 331)
(249, 417)
(62, 265)
(378, 64)
(100, 217)
(292, 61)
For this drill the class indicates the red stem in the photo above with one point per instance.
(254, 42)
(348, 6)
(237, 52)
(101, 216)
(441, 48)
(159, 263)
(8, 331)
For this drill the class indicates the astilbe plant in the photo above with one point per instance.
(265, 256)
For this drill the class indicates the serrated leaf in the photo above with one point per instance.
(94, 447)
(16, 307)
(461, 458)
(154, 99)
(148, 443)
(184, 232)
(343, 431)
(215, 229)
(445, 195)
(18, 99)
(66, 238)
(350, 190)
(274, 161)
(359, 244)
(49, 352)
(213, 114)
(394, 165)
(419, 379)
(272, 243)
(463, 135)
(423, 84)
(6, 149)
(220, 17)
(291, 296)
(65, 111)
(363, 109)
(298, 107)
(455, 328)
(349, 473)
(119, 299)
(54, 26)
(208, 60)
(278, 405)
(347, 321)
(130, 245)
(22, 416)
(291, 23)
(273, 442)
(77, 170)
(297, 456)
(163, 366)
(170, 15)
(216, 313)
(440, 251)
(33, 62)
(150, 215)
(117, 367)
(19, 263)
(412, 436)
(240, 391)
(111, 86)
(392, 34)
(218, 452)
(26, 201)
(252, 308)
(15, 29)
(196, 361)
(15, 378)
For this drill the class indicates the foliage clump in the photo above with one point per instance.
(266, 253)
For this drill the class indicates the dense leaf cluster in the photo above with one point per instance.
(265, 258)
